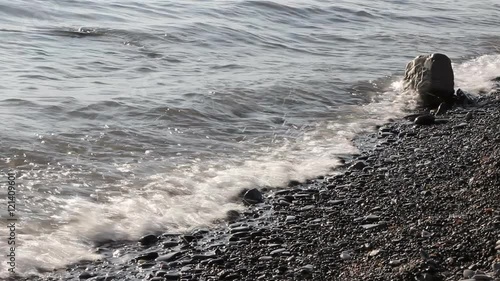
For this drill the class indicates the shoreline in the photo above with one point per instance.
(423, 204)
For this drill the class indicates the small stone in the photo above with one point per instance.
(232, 215)
(459, 126)
(147, 257)
(160, 273)
(373, 253)
(169, 257)
(170, 244)
(336, 202)
(172, 276)
(443, 107)
(424, 255)
(426, 119)
(359, 165)
(232, 276)
(385, 129)
(308, 207)
(277, 252)
(253, 196)
(85, 275)
(284, 203)
(217, 261)
(468, 273)
(188, 238)
(370, 226)
(473, 266)
(395, 262)
(145, 264)
(345, 255)
(282, 269)
(107, 277)
(371, 217)
(309, 268)
(265, 258)
(468, 116)
(427, 277)
(238, 235)
(240, 229)
(482, 277)
(426, 193)
(426, 234)
(318, 220)
(203, 257)
(148, 239)
(441, 121)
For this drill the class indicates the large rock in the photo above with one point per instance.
(431, 76)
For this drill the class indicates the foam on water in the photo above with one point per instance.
(476, 75)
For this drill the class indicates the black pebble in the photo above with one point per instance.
(253, 196)
(148, 240)
(426, 119)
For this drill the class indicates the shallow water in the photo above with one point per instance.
(126, 117)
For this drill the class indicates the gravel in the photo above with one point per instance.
(420, 202)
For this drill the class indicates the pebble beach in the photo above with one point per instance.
(419, 202)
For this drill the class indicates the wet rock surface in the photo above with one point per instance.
(431, 76)
(418, 203)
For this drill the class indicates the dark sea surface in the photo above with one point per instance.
(123, 118)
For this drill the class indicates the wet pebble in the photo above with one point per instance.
(370, 226)
(147, 256)
(345, 255)
(85, 275)
(253, 196)
(169, 257)
(148, 240)
(459, 126)
(232, 215)
(172, 276)
(468, 273)
(426, 119)
(240, 229)
(371, 218)
(468, 116)
(426, 234)
(308, 268)
(359, 165)
(277, 252)
(395, 262)
(482, 277)
(170, 244)
(203, 257)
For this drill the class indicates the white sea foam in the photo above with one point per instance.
(475, 75)
(194, 196)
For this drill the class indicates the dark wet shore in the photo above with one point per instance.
(422, 204)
